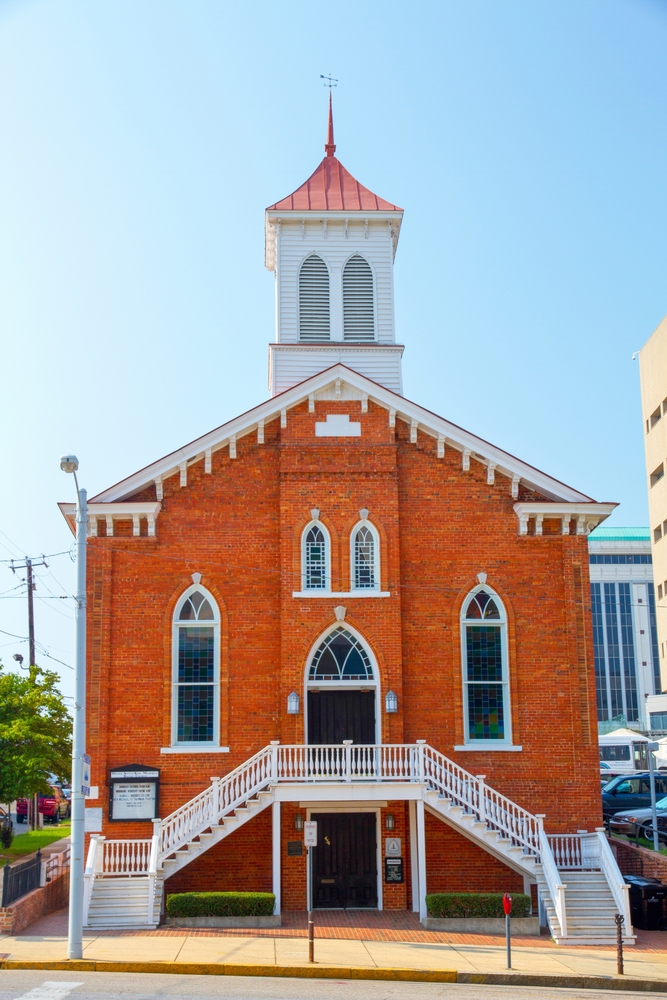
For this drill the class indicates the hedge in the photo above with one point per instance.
(475, 904)
(221, 904)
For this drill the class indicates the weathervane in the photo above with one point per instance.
(329, 81)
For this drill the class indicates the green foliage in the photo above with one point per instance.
(474, 904)
(220, 904)
(35, 733)
(28, 843)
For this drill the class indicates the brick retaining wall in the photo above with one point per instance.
(35, 904)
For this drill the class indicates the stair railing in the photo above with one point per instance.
(221, 797)
(93, 868)
(619, 890)
(554, 884)
(476, 797)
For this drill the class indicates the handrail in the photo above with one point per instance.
(620, 891)
(476, 797)
(554, 884)
(221, 797)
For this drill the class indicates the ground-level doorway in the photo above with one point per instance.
(344, 863)
(334, 716)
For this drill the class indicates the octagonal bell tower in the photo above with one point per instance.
(331, 245)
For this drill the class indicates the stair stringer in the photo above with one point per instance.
(489, 840)
(212, 835)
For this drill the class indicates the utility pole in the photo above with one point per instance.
(28, 565)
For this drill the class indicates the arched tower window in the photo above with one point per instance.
(365, 557)
(314, 300)
(315, 573)
(196, 670)
(485, 673)
(358, 308)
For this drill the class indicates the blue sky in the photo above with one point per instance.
(140, 143)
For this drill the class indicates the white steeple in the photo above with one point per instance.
(332, 244)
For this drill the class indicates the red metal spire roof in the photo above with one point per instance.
(332, 188)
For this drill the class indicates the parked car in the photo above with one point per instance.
(634, 792)
(628, 821)
(53, 807)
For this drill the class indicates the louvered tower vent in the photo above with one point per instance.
(358, 311)
(314, 300)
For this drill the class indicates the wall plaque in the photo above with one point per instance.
(393, 869)
(133, 793)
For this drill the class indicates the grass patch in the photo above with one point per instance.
(27, 843)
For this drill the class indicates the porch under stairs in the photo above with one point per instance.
(124, 879)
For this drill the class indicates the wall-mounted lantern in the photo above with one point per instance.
(293, 703)
(390, 703)
(298, 821)
(390, 821)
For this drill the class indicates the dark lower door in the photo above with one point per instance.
(344, 863)
(334, 716)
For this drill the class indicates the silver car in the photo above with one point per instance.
(630, 820)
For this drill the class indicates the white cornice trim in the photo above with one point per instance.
(586, 515)
(429, 423)
(111, 512)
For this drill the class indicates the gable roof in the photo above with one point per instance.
(443, 430)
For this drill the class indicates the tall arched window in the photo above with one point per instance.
(365, 557)
(485, 674)
(315, 574)
(196, 670)
(358, 307)
(314, 300)
(340, 657)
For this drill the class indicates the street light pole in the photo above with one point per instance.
(69, 463)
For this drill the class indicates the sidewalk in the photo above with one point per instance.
(363, 940)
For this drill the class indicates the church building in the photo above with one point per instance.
(340, 607)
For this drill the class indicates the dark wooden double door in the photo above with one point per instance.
(344, 863)
(334, 716)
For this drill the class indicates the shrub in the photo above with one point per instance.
(220, 904)
(6, 835)
(474, 904)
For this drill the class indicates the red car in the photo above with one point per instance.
(53, 807)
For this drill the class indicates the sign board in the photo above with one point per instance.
(294, 849)
(392, 847)
(393, 869)
(92, 822)
(310, 833)
(85, 774)
(133, 792)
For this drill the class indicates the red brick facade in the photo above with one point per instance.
(240, 527)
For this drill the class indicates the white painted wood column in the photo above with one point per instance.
(421, 857)
(275, 838)
(414, 863)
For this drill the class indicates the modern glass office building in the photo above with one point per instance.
(625, 638)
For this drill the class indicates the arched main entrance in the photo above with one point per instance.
(341, 689)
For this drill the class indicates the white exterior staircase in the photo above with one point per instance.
(124, 878)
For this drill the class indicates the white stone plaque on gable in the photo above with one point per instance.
(338, 425)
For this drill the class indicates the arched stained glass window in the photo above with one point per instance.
(314, 300)
(340, 657)
(315, 558)
(195, 714)
(358, 309)
(365, 575)
(485, 675)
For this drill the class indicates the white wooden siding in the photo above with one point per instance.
(290, 365)
(298, 241)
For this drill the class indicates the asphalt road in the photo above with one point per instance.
(16, 985)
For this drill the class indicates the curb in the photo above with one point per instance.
(219, 969)
(620, 983)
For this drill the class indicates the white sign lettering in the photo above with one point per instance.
(310, 833)
(133, 799)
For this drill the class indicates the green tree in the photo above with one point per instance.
(35, 733)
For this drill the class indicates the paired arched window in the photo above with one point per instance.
(315, 558)
(340, 657)
(358, 300)
(196, 670)
(314, 300)
(485, 673)
(365, 557)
